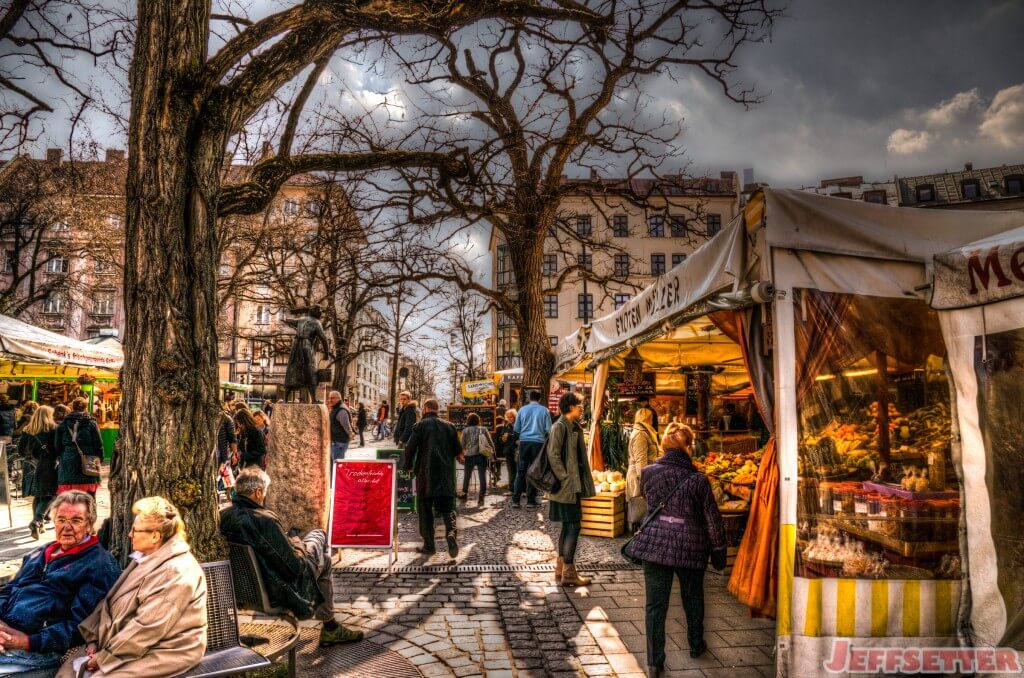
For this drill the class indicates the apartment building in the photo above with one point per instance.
(855, 188)
(625, 239)
(990, 188)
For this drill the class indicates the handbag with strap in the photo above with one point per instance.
(484, 444)
(651, 515)
(90, 463)
(541, 475)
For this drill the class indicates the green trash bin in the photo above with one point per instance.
(109, 437)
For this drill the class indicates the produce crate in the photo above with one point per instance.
(604, 515)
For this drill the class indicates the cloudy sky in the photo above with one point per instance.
(873, 88)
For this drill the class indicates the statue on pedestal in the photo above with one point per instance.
(301, 374)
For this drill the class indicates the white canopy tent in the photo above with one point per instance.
(797, 241)
(29, 351)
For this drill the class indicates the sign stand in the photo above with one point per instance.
(363, 512)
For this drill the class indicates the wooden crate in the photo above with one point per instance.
(604, 515)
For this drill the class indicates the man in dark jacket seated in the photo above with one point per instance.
(297, 573)
(57, 587)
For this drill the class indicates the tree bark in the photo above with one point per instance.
(169, 378)
(527, 259)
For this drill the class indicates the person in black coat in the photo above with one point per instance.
(361, 423)
(7, 417)
(252, 445)
(406, 418)
(431, 453)
(38, 447)
(78, 434)
(508, 445)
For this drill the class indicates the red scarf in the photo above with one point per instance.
(77, 548)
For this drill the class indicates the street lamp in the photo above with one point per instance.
(264, 361)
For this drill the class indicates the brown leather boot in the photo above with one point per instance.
(570, 577)
(559, 568)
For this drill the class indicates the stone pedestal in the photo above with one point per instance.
(298, 462)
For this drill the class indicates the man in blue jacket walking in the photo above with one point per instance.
(533, 423)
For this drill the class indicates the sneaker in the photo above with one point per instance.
(516, 505)
(453, 544)
(338, 636)
(531, 504)
(425, 551)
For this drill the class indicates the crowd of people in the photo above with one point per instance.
(153, 612)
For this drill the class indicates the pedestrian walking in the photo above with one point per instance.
(568, 458)
(382, 420)
(677, 543)
(268, 408)
(508, 446)
(8, 418)
(341, 426)
(406, 418)
(476, 442)
(38, 448)
(78, 436)
(361, 423)
(533, 423)
(431, 453)
(227, 451)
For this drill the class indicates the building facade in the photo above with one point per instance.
(855, 188)
(991, 188)
(623, 243)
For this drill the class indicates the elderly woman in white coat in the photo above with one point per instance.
(153, 620)
(643, 451)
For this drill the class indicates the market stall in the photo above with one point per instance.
(856, 528)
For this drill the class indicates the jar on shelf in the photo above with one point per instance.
(846, 503)
(825, 498)
(891, 510)
(860, 503)
(937, 469)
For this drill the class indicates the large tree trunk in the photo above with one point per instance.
(169, 379)
(527, 259)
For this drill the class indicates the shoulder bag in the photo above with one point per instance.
(541, 475)
(484, 443)
(90, 463)
(625, 550)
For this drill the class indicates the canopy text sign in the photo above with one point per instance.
(981, 273)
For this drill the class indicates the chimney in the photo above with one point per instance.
(593, 174)
(53, 156)
(115, 155)
(968, 166)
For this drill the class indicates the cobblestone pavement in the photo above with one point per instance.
(495, 611)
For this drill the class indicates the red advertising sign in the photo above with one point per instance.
(363, 504)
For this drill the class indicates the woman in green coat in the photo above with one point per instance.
(568, 457)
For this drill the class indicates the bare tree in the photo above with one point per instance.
(423, 377)
(38, 38)
(532, 100)
(462, 329)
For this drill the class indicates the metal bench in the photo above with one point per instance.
(225, 656)
(251, 592)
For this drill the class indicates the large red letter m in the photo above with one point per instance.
(977, 271)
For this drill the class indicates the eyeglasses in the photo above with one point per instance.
(137, 530)
(73, 522)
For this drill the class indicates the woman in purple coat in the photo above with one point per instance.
(677, 543)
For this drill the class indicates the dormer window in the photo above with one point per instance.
(877, 197)
(925, 193)
(843, 194)
(1014, 184)
(970, 189)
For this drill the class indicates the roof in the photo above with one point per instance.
(652, 187)
(948, 186)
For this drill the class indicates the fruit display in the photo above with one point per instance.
(608, 481)
(736, 468)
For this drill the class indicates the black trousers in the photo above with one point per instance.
(427, 508)
(658, 584)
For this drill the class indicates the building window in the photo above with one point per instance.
(584, 228)
(656, 227)
(714, 224)
(621, 265)
(57, 265)
(620, 226)
(877, 197)
(552, 231)
(842, 194)
(8, 261)
(507, 344)
(550, 305)
(262, 315)
(970, 189)
(1014, 184)
(585, 306)
(620, 300)
(678, 259)
(925, 193)
(550, 264)
(312, 208)
(54, 304)
(585, 260)
(504, 267)
(61, 226)
(657, 264)
(100, 265)
(553, 340)
(677, 226)
(115, 221)
(103, 302)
